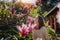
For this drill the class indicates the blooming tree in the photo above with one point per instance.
(16, 21)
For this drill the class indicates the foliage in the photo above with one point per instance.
(47, 5)
(34, 11)
(51, 33)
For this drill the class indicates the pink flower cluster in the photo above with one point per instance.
(26, 29)
(30, 19)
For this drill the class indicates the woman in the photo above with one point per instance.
(40, 32)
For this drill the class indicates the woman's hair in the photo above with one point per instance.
(41, 22)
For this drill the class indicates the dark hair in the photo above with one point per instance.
(41, 22)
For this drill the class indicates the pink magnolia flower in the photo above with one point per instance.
(30, 19)
(24, 30)
(28, 30)
(34, 26)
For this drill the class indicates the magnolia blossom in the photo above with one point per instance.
(24, 29)
(27, 28)
(30, 19)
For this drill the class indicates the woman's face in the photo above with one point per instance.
(36, 22)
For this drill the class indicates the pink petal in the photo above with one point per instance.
(30, 19)
(19, 28)
(23, 32)
(34, 26)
